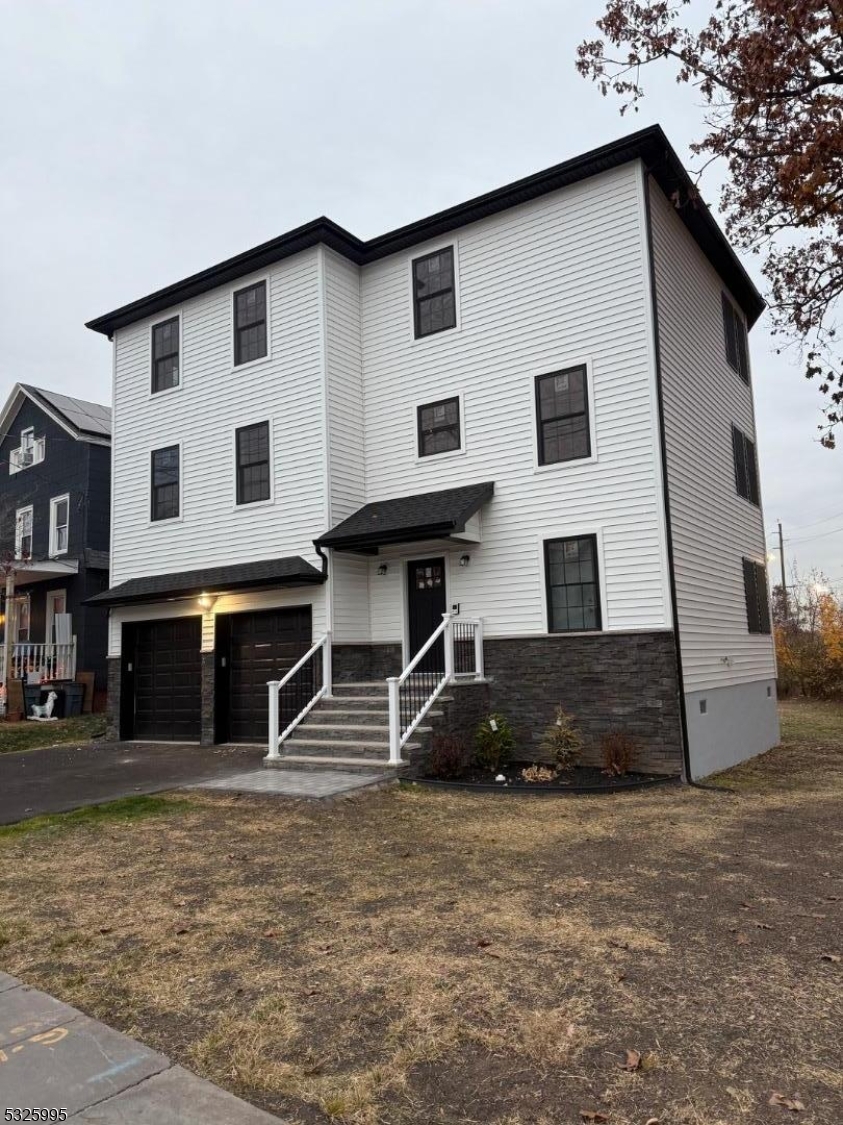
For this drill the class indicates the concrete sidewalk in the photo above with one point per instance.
(54, 1057)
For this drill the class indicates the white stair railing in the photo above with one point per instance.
(298, 689)
(413, 693)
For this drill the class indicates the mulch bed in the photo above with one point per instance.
(583, 779)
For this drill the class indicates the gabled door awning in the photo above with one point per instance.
(408, 519)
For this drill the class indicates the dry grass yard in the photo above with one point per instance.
(417, 956)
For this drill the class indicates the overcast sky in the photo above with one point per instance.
(142, 141)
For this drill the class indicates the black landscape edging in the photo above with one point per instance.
(538, 790)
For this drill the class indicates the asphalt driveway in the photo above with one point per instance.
(59, 778)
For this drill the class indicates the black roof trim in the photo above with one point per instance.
(650, 145)
(292, 571)
(408, 519)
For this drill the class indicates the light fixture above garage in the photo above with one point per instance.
(207, 601)
(465, 560)
(383, 568)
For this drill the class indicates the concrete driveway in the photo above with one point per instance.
(33, 782)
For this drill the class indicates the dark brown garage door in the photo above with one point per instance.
(252, 649)
(167, 676)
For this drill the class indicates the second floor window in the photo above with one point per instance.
(439, 427)
(165, 355)
(746, 466)
(23, 533)
(165, 483)
(734, 332)
(59, 524)
(250, 323)
(434, 295)
(562, 416)
(253, 463)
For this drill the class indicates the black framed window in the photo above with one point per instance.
(165, 483)
(253, 463)
(434, 295)
(746, 466)
(562, 416)
(734, 332)
(572, 582)
(165, 355)
(250, 323)
(757, 596)
(439, 427)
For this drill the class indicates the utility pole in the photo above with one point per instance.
(784, 583)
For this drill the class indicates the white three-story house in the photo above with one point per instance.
(514, 440)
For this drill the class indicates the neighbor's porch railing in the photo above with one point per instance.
(291, 698)
(412, 694)
(38, 663)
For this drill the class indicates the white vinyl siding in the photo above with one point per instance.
(713, 527)
(286, 389)
(344, 366)
(542, 287)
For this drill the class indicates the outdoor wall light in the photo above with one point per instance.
(207, 601)
(465, 560)
(383, 568)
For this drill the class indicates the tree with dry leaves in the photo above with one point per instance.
(771, 75)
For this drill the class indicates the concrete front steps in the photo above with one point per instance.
(349, 731)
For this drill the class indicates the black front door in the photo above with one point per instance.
(426, 604)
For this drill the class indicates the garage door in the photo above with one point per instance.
(261, 647)
(168, 680)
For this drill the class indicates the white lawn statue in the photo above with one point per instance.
(44, 712)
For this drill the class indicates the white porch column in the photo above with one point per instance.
(327, 666)
(479, 670)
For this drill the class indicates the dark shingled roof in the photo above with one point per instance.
(407, 519)
(649, 145)
(292, 571)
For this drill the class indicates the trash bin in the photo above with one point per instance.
(73, 695)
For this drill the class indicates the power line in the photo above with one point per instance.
(820, 535)
(813, 523)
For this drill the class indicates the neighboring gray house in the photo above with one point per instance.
(531, 412)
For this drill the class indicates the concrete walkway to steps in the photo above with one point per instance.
(54, 1057)
(312, 784)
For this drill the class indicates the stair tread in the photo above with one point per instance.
(343, 726)
(378, 763)
(329, 743)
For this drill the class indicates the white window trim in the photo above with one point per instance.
(255, 503)
(575, 531)
(38, 452)
(156, 395)
(19, 514)
(423, 252)
(436, 458)
(248, 284)
(172, 519)
(550, 369)
(54, 503)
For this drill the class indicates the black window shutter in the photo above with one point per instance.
(742, 351)
(739, 453)
(749, 586)
(752, 493)
(763, 598)
(729, 332)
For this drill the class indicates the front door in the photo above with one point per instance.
(425, 605)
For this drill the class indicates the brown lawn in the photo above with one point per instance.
(412, 956)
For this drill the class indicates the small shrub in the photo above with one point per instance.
(535, 774)
(562, 740)
(618, 753)
(494, 743)
(448, 756)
